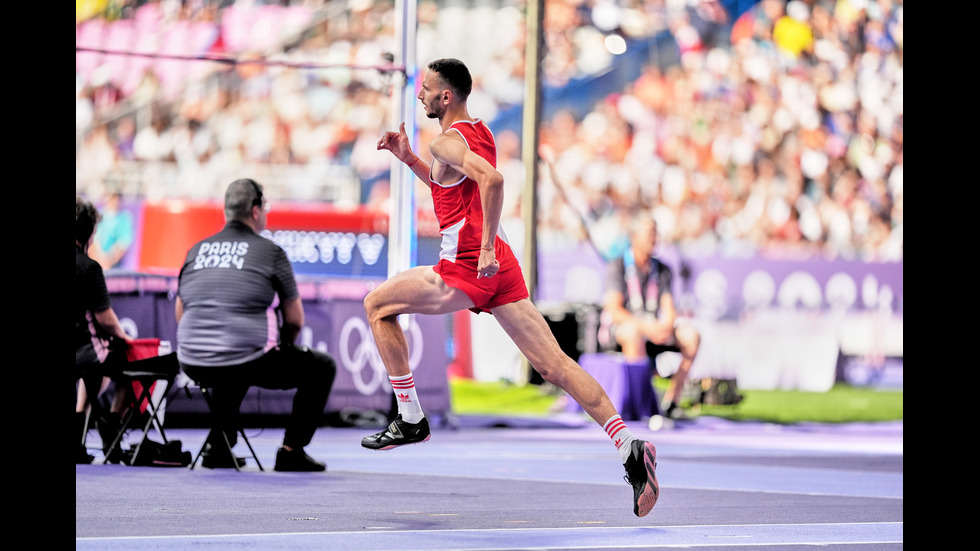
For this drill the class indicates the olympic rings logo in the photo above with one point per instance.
(358, 352)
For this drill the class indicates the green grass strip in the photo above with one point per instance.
(841, 404)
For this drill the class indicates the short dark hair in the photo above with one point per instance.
(240, 197)
(86, 218)
(454, 73)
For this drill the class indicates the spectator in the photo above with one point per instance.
(114, 235)
(807, 95)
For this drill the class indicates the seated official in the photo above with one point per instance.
(230, 337)
(96, 328)
(639, 316)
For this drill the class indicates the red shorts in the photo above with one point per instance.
(504, 287)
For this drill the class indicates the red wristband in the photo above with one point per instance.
(411, 164)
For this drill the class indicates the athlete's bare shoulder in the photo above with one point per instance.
(448, 149)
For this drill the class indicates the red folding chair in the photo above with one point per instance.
(146, 369)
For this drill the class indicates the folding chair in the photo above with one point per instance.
(145, 370)
(206, 392)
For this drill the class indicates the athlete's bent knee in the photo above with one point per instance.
(556, 373)
(373, 306)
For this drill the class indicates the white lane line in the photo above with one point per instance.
(532, 539)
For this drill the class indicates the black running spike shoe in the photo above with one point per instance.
(397, 434)
(641, 474)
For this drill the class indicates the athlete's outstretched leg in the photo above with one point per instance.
(530, 332)
(419, 290)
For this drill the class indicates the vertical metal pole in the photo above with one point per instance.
(529, 140)
(529, 149)
(402, 218)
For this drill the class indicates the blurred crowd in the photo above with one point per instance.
(776, 132)
(784, 138)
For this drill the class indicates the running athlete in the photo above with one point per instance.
(477, 270)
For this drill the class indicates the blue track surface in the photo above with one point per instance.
(503, 484)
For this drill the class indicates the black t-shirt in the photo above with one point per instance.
(651, 288)
(228, 284)
(91, 295)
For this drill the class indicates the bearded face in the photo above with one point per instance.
(431, 96)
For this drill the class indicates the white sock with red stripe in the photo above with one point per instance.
(620, 435)
(407, 398)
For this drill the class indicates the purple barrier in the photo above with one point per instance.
(335, 323)
(340, 328)
(718, 287)
(767, 322)
(629, 385)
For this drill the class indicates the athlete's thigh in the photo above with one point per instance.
(418, 290)
(528, 329)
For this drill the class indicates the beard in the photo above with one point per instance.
(434, 111)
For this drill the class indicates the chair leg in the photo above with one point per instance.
(224, 436)
(255, 456)
(87, 415)
(207, 400)
(231, 453)
(117, 439)
(199, 454)
(153, 420)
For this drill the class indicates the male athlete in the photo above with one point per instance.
(477, 270)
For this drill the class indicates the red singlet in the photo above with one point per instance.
(459, 211)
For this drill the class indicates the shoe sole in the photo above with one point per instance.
(300, 470)
(393, 446)
(647, 499)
